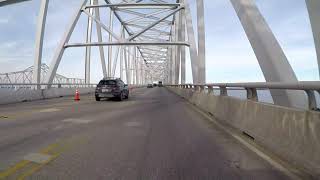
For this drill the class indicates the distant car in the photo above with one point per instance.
(160, 84)
(112, 87)
(150, 86)
(154, 84)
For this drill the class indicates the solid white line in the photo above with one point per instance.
(264, 156)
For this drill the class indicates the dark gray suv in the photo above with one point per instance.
(110, 87)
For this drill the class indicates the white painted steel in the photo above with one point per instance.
(314, 13)
(272, 60)
(36, 78)
(60, 49)
(88, 48)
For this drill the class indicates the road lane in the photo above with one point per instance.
(153, 135)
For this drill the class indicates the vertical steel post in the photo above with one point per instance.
(39, 42)
(134, 65)
(177, 48)
(99, 34)
(121, 63)
(201, 42)
(88, 48)
(126, 62)
(192, 42)
(182, 27)
(174, 52)
(110, 40)
(137, 67)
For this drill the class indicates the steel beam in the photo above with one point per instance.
(272, 60)
(61, 47)
(39, 42)
(99, 34)
(110, 47)
(132, 37)
(10, 2)
(88, 48)
(177, 49)
(133, 43)
(183, 48)
(192, 41)
(314, 14)
(137, 5)
(201, 42)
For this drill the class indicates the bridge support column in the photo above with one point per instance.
(39, 42)
(314, 13)
(182, 34)
(192, 41)
(88, 48)
(177, 48)
(272, 60)
(99, 34)
(110, 40)
(201, 43)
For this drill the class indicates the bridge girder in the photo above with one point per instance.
(166, 26)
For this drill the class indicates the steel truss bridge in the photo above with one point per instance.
(25, 77)
(154, 38)
(157, 134)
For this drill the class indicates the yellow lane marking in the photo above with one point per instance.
(36, 168)
(5, 117)
(14, 169)
(26, 168)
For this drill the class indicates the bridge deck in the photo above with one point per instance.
(153, 135)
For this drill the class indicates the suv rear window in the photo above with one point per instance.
(108, 82)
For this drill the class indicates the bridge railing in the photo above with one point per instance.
(309, 87)
(17, 86)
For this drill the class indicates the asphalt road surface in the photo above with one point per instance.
(155, 135)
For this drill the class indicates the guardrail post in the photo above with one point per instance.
(223, 91)
(210, 89)
(312, 102)
(252, 94)
(198, 88)
(59, 85)
(202, 88)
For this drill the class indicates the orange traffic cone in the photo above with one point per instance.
(77, 96)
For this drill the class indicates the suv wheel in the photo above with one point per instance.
(97, 98)
(121, 97)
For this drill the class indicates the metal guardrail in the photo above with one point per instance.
(309, 87)
(56, 85)
(43, 85)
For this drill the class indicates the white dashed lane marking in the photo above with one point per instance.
(37, 158)
(77, 121)
(49, 110)
(132, 124)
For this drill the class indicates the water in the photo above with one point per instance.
(264, 96)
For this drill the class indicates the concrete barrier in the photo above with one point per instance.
(14, 96)
(292, 134)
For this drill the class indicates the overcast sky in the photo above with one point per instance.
(229, 55)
